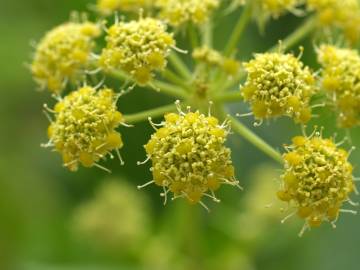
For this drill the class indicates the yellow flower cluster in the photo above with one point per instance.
(116, 218)
(343, 14)
(107, 7)
(341, 80)
(138, 47)
(189, 157)
(279, 84)
(84, 127)
(178, 12)
(63, 55)
(317, 179)
(214, 58)
(277, 8)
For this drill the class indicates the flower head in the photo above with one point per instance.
(189, 157)
(207, 55)
(342, 14)
(178, 12)
(279, 84)
(317, 179)
(341, 80)
(138, 47)
(84, 127)
(107, 7)
(116, 218)
(63, 55)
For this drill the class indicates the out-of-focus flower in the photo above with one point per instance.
(341, 80)
(117, 218)
(108, 7)
(178, 12)
(342, 14)
(212, 57)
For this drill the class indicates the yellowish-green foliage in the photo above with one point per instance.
(317, 179)
(189, 157)
(279, 84)
(341, 80)
(115, 219)
(83, 130)
(107, 7)
(342, 14)
(178, 12)
(138, 47)
(63, 55)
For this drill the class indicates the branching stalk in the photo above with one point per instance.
(153, 113)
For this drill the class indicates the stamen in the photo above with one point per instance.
(146, 184)
(119, 157)
(179, 50)
(348, 211)
(287, 217)
(258, 123)
(102, 168)
(244, 114)
(143, 162)
(304, 228)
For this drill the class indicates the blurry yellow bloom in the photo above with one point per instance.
(317, 179)
(278, 7)
(138, 47)
(84, 127)
(107, 7)
(117, 218)
(63, 55)
(189, 157)
(279, 84)
(178, 12)
(341, 80)
(342, 14)
(214, 58)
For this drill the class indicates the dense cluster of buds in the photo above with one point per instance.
(279, 84)
(189, 157)
(317, 179)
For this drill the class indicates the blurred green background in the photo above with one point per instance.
(40, 200)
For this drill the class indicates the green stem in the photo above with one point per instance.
(254, 139)
(180, 66)
(296, 36)
(194, 38)
(238, 30)
(208, 34)
(153, 113)
(168, 88)
(175, 79)
(233, 96)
